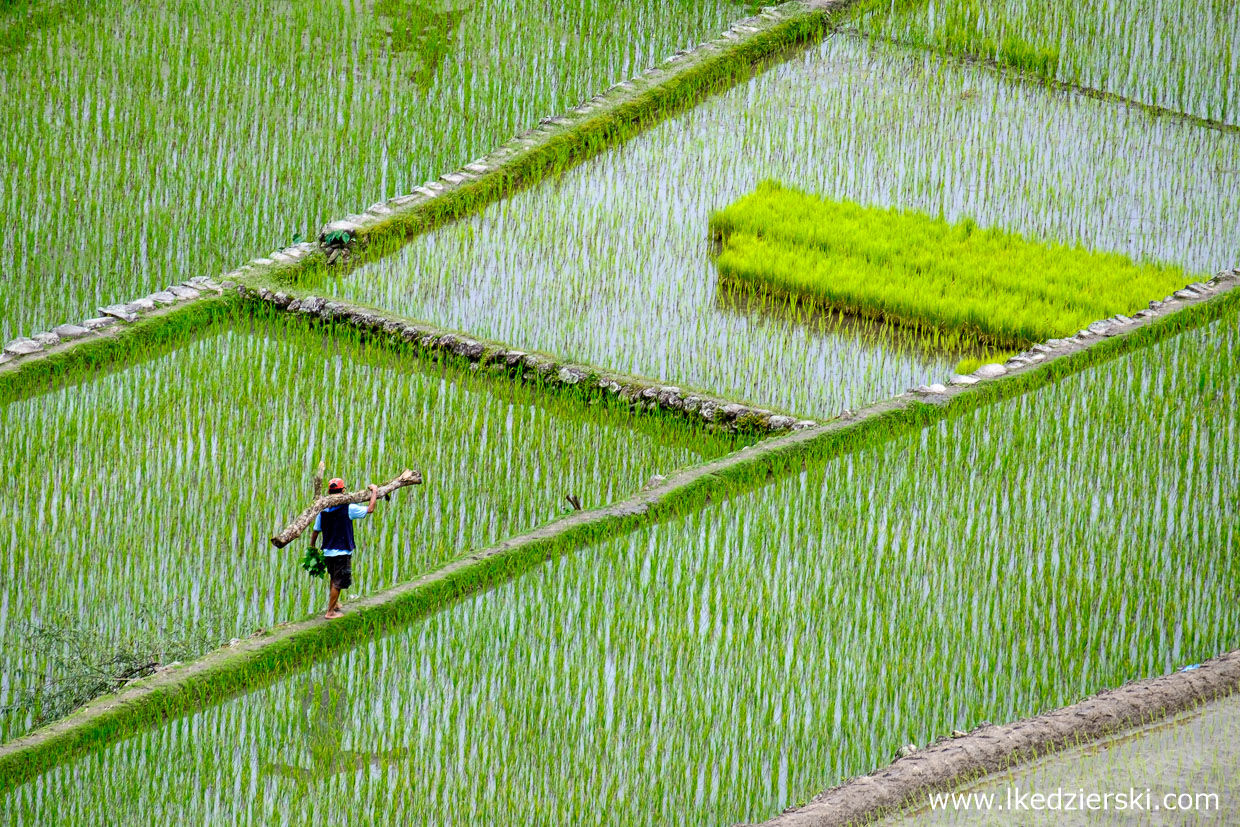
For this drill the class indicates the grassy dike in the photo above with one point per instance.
(261, 659)
(1040, 75)
(615, 116)
(1049, 55)
(115, 348)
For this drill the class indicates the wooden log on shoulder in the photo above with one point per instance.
(306, 518)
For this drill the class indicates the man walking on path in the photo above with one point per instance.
(336, 526)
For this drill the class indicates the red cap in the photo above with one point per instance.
(335, 484)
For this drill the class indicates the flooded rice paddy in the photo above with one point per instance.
(148, 142)
(149, 494)
(611, 263)
(721, 666)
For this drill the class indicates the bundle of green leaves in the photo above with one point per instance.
(314, 562)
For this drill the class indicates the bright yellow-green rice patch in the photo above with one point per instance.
(909, 268)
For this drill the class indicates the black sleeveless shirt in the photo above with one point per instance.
(337, 529)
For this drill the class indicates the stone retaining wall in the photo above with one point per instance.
(110, 317)
(538, 367)
(712, 410)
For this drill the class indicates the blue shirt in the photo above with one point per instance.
(356, 512)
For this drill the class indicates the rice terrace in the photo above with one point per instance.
(479, 412)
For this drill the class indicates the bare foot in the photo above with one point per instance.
(335, 613)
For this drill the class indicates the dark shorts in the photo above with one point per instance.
(340, 570)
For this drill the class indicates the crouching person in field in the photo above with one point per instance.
(336, 526)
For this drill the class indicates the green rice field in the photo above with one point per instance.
(910, 269)
(1177, 54)
(611, 263)
(153, 490)
(723, 665)
(129, 166)
(604, 605)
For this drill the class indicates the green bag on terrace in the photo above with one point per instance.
(314, 562)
